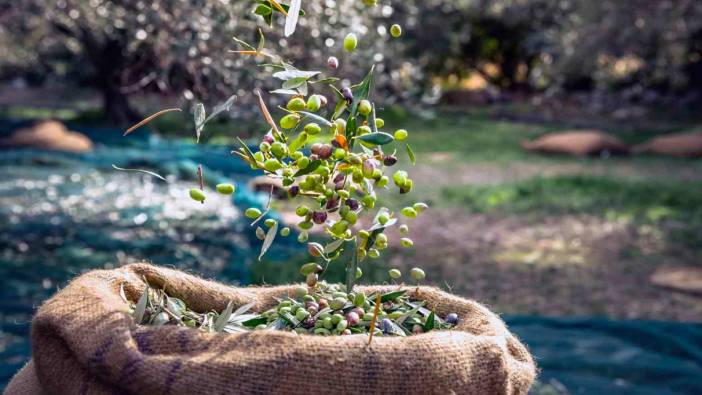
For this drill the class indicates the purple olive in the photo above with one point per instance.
(352, 318)
(348, 95)
(333, 204)
(359, 311)
(308, 322)
(386, 325)
(319, 217)
(389, 160)
(333, 62)
(452, 319)
(325, 151)
(268, 139)
(315, 148)
(352, 203)
(388, 305)
(293, 191)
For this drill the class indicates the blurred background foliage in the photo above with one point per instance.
(637, 50)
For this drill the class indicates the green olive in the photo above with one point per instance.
(394, 274)
(289, 121)
(197, 195)
(312, 128)
(314, 103)
(417, 274)
(252, 213)
(395, 30)
(400, 134)
(285, 232)
(225, 189)
(409, 212)
(364, 107)
(406, 242)
(296, 104)
(350, 42)
(379, 123)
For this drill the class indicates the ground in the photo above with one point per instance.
(552, 235)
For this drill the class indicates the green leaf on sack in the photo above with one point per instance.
(429, 324)
(268, 241)
(316, 118)
(254, 322)
(309, 169)
(379, 138)
(243, 309)
(410, 154)
(223, 318)
(386, 297)
(394, 329)
(290, 318)
(140, 308)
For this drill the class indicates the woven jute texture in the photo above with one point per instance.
(85, 342)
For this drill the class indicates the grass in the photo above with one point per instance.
(642, 199)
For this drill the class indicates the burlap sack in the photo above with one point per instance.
(579, 142)
(85, 342)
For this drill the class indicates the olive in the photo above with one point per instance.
(350, 42)
(333, 62)
(252, 213)
(296, 104)
(417, 274)
(225, 189)
(395, 30)
(452, 319)
(197, 195)
(319, 217)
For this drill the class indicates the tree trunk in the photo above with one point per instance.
(116, 107)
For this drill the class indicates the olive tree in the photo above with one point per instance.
(182, 47)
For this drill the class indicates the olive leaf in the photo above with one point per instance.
(263, 10)
(261, 40)
(140, 308)
(378, 138)
(297, 143)
(316, 118)
(352, 266)
(292, 72)
(199, 118)
(309, 169)
(362, 91)
(291, 19)
(151, 173)
(429, 324)
(223, 318)
(268, 241)
(220, 108)
(410, 154)
(294, 83)
(254, 322)
(333, 246)
(386, 297)
(393, 329)
(285, 92)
